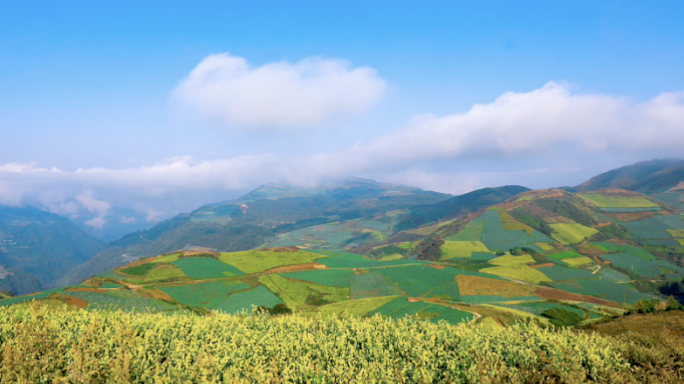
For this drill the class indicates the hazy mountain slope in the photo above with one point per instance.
(255, 218)
(626, 177)
(662, 180)
(18, 282)
(116, 224)
(458, 206)
(41, 244)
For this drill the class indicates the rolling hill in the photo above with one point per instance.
(256, 218)
(654, 176)
(558, 257)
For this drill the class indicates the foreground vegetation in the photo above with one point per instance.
(43, 344)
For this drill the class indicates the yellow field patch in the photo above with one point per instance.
(477, 286)
(545, 246)
(512, 260)
(261, 260)
(394, 256)
(677, 233)
(568, 234)
(618, 201)
(511, 224)
(578, 260)
(454, 249)
(518, 272)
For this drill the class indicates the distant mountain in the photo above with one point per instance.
(255, 218)
(627, 177)
(116, 224)
(662, 180)
(458, 206)
(37, 247)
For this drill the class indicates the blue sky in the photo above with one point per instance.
(105, 88)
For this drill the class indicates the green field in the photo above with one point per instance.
(605, 289)
(563, 255)
(454, 249)
(259, 260)
(418, 280)
(560, 273)
(297, 293)
(350, 308)
(206, 295)
(649, 269)
(518, 272)
(259, 296)
(656, 227)
(471, 232)
(495, 237)
(626, 248)
(574, 233)
(365, 285)
(446, 292)
(617, 201)
(170, 271)
(332, 277)
(120, 300)
(206, 268)
(613, 275)
(400, 308)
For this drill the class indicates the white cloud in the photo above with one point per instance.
(98, 207)
(544, 121)
(64, 208)
(153, 215)
(535, 125)
(277, 95)
(96, 223)
(127, 220)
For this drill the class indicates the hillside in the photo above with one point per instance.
(662, 180)
(626, 177)
(551, 255)
(255, 219)
(38, 247)
(454, 207)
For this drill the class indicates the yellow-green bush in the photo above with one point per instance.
(42, 346)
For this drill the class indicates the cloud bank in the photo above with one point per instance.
(547, 121)
(277, 95)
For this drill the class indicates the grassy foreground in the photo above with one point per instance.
(42, 345)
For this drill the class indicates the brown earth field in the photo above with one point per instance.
(75, 301)
(295, 268)
(671, 321)
(557, 294)
(475, 286)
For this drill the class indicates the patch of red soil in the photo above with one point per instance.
(82, 289)
(557, 294)
(75, 301)
(298, 267)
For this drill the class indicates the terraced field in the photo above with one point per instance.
(546, 256)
